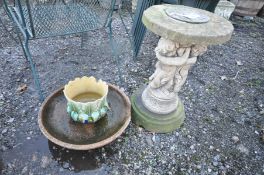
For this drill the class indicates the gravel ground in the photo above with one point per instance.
(223, 97)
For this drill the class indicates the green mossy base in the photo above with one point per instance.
(155, 122)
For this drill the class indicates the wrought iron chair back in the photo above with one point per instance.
(48, 18)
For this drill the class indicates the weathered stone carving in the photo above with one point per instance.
(157, 107)
(175, 60)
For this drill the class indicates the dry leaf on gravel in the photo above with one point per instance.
(22, 88)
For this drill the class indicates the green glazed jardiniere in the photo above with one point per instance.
(86, 98)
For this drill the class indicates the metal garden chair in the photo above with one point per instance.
(47, 18)
(138, 30)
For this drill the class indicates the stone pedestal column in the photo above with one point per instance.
(174, 62)
(185, 34)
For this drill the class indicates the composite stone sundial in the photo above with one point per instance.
(185, 34)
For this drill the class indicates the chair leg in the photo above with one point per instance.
(33, 68)
(83, 38)
(123, 23)
(128, 34)
(114, 53)
(126, 4)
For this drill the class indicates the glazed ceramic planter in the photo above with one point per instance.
(224, 8)
(86, 99)
(247, 7)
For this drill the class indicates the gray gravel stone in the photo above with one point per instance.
(235, 139)
(243, 149)
(215, 163)
(25, 169)
(4, 131)
(66, 165)
(10, 120)
(45, 161)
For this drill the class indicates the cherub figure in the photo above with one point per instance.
(172, 68)
(198, 50)
(163, 78)
(166, 48)
(181, 75)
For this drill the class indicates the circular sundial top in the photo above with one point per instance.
(187, 15)
(187, 25)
